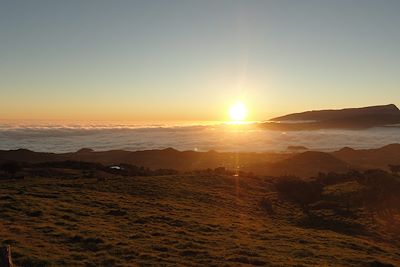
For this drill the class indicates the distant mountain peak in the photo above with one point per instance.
(346, 149)
(85, 150)
(393, 106)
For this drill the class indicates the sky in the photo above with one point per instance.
(100, 60)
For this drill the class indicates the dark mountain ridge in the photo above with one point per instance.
(349, 118)
(302, 164)
(336, 114)
(156, 158)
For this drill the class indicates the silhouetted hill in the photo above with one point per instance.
(174, 159)
(304, 164)
(350, 118)
(322, 115)
(301, 164)
(85, 150)
(164, 158)
(25, 155)
(371, 158)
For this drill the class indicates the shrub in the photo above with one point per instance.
(394, 168)
(11, 168)
(299, 191)
(331, 178)
(267, 205)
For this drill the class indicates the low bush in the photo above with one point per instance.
(299, 191)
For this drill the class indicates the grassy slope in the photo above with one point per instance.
(175, 220)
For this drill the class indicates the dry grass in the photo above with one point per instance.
(172, 220)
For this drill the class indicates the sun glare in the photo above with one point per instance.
(238, 112)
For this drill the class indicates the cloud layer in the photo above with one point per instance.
(61, 138)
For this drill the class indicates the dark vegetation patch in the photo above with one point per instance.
(117, 212)
(25, 261)
(87, 243)
(378, 264)
(34, 213)
(248, 261)
(7, 198)
(160, 219)
(339, 202)
(333, 223)
(267, 205)
(299, 191)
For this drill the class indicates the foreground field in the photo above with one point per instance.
(188, 220)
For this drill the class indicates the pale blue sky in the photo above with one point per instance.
(189, 60)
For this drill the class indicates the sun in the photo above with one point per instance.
(238, 112)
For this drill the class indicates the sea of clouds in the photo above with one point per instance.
(219, 137)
